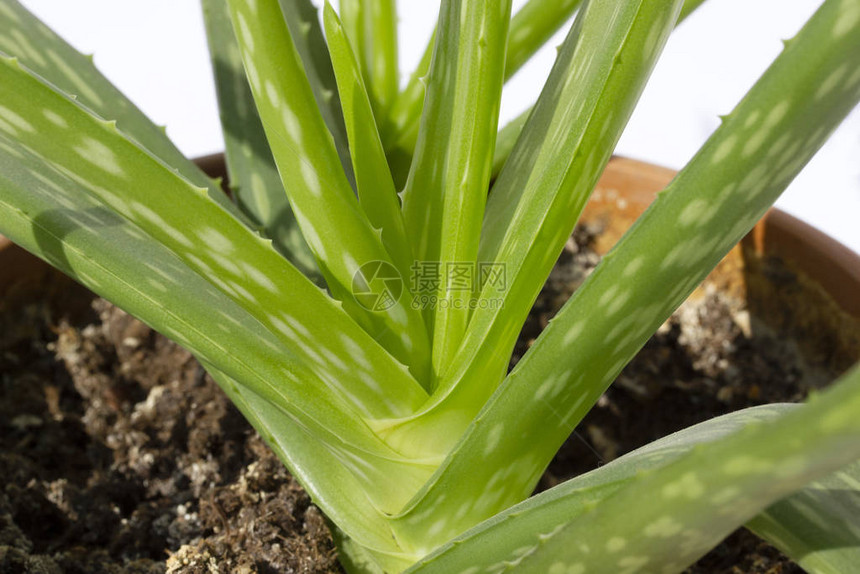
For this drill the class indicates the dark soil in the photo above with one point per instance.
(118, 454)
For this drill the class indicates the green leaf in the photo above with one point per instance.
(443, 202)
(538, 197)
(331, 220)
(66, 146)
(662, 507)
(353, 23)
(819, 525)
(376, 192)
(530, 28)
(76, 192)
(706, 210)
(36, 46)
(302, 18)
(509, 134)
(254, 177)
(371, 26)
(400, 131)
(690, 6)
(506, 535)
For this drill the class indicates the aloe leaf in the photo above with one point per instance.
(504, 536)
(70, 237)
(302, 18)
(536, 200)
(530, 28)
(511, 132)
(690, 6)
(254, 178)
(443, 202)
(340, 235)
(706, 210)
(380, 24)
(662, 507)
(77, 146)
(23, 36)
(709, 492)
(376, 192)
(68, 150)
(50, 213)
(371, 26)
(353, 23)
(818, 526)
(400, 130)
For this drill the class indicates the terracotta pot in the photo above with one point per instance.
(796, 280)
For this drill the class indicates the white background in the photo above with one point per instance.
(155, 51)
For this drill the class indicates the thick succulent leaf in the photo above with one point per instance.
(660, 508)
(320, 471)
(690, 6)
(57, 152)
(36, 46)
(351, 18)
(400, 130)
(706, 210)
(443, 203)
(819, 525)
(687, 507)
(371, 26)
(511, 132)
(253, 177)
(73, 235)
(75, 147)
(333, 223)
(302, 18)
(515, 532)
(376, 192)
(537, 198)
(530, 28)
(569, 137)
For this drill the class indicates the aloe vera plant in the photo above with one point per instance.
(359, 295)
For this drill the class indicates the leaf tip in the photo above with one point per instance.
(328, 10)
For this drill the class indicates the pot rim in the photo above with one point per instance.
(831, 264)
